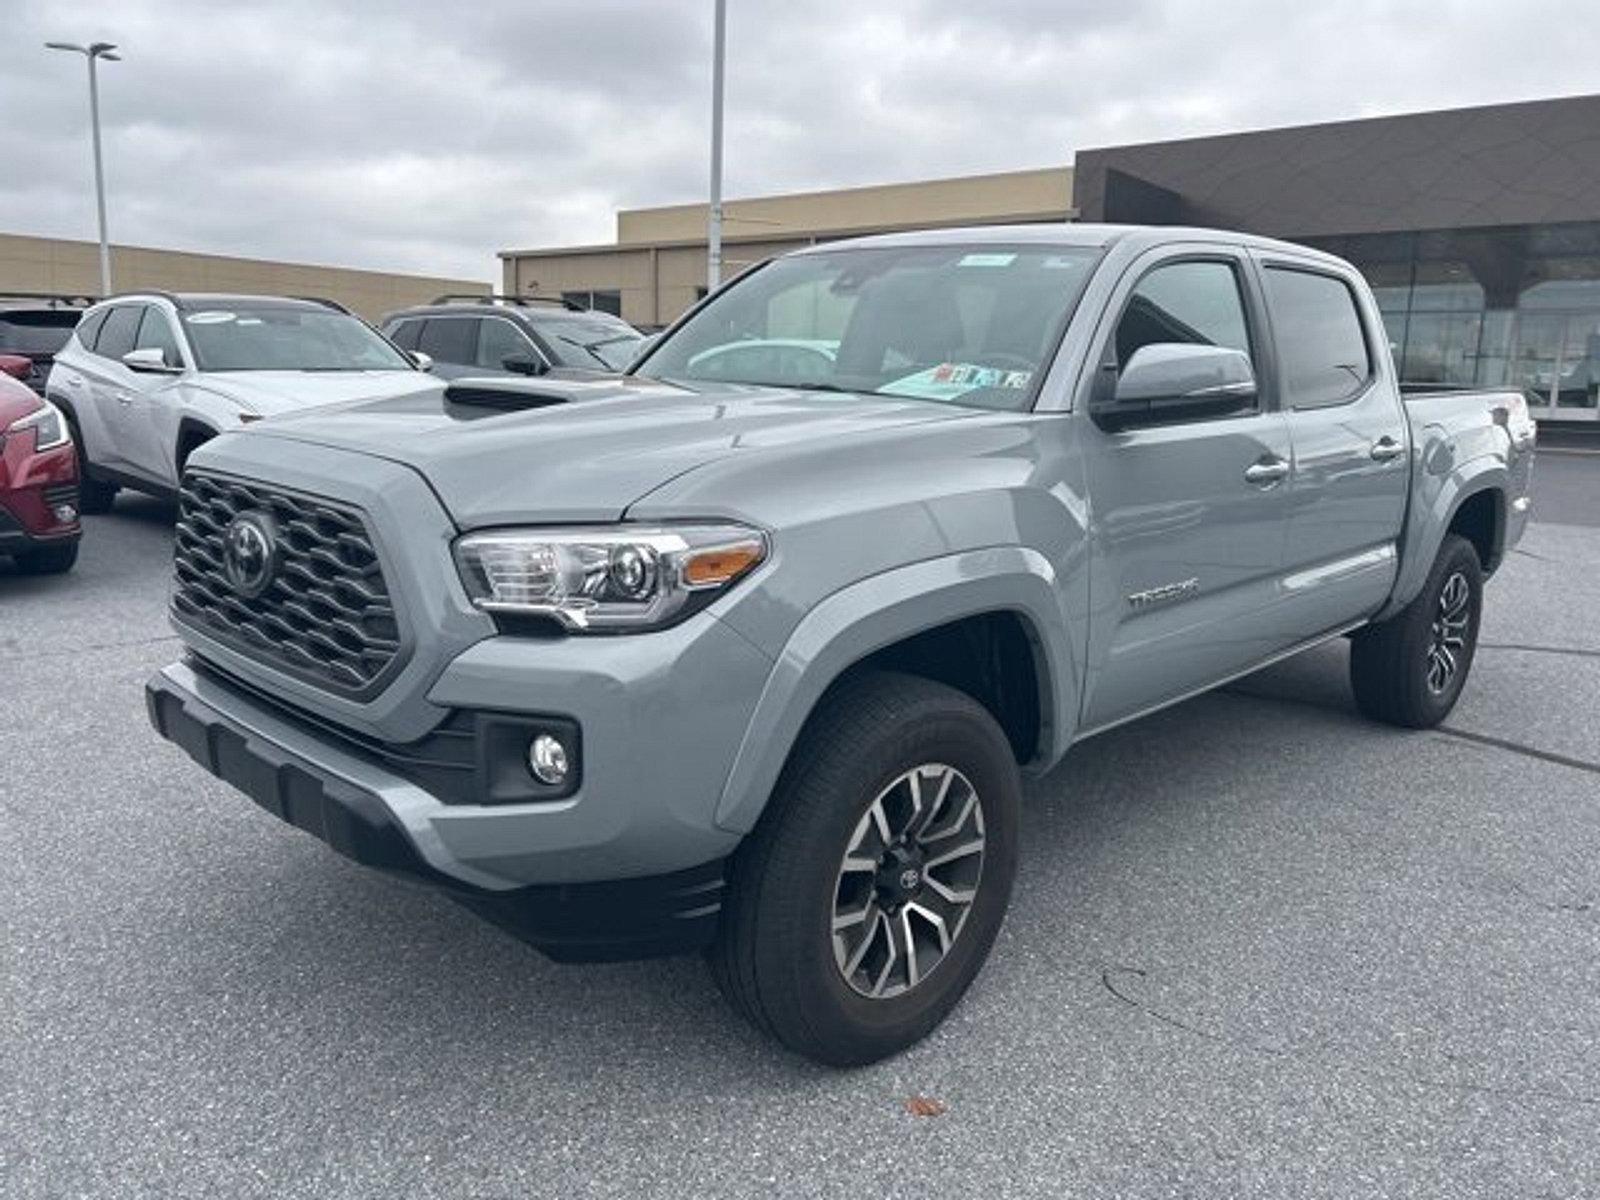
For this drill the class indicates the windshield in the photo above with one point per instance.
(287, 339)
(592, 343)
(966, 324)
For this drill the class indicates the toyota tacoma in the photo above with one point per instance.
(748, 648)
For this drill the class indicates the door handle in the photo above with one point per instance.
(1386, 448)
(72, 381)
(123, 398)
(1266, 472)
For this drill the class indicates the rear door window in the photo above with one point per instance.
(450, 340)
(89, 328)
(1320, 339)
(120, 331)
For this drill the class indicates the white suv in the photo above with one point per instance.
(147, 377)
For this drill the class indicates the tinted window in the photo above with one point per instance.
(499, 340)
(118, 333)
(405, 334)
(1193, 302)
(89, 328)
(1324, 353)
(451, 340)
(155, 333)
(36, 333)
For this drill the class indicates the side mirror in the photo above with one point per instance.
(1175, 381)
(149, 361)
(523, 364)
(424, 361)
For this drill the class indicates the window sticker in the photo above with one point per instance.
(1061, 262)
(213, 317)
(987, 260)
(949, 380)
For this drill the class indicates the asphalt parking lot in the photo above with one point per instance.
(1259, 948)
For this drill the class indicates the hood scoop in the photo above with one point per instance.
(481, 394)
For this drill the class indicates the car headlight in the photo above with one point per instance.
(606, 577)
(48, 425)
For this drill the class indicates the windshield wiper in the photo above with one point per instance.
(587, 349)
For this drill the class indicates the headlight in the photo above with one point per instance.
(606, 577)
(48, 425)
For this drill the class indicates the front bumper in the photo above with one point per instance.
(356, 807)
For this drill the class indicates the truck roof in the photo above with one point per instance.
(1068, 234)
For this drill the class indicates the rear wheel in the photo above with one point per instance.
(869, 896)
(1410, 669)
(47, 560)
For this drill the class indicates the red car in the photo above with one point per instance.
(16, 366)
(38, 483)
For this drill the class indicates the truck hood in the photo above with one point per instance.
(270, 393)
(587, 448)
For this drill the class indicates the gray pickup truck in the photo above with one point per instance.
(746, 649)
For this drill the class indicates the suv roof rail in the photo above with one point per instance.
(326, 303)
(135, 293)
(520, 299)
(53, 299)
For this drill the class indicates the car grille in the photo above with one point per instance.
(326, 616)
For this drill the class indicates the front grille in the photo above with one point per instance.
(326, 616)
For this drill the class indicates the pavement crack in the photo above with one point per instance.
(1111, 976)
(1549, 756)
(1528, 649)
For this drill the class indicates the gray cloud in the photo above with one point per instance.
(424, 136)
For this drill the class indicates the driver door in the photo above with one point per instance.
(1186, 546)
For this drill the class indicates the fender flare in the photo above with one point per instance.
(883, 609)
(1430, 516)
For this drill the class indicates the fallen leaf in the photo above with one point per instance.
(926, 1106)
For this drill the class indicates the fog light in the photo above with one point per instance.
(65, 513)
(547, 759)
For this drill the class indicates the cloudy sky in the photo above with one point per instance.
(426, 136)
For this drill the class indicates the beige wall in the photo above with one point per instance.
(1014, 195)
(30, 264)
(659, 259)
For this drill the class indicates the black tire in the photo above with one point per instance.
(1394, 668)
(47, 560)
(94, 498)
(775, 955)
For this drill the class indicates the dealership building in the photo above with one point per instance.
(1479, 229)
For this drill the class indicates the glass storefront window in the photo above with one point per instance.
(1517, 306)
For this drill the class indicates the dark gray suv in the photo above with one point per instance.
(513, 335)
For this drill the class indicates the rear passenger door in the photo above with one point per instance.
(1187, 517)
(105, 378)
(1349, 439)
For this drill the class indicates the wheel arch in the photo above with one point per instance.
(954, 619)
(192, 434)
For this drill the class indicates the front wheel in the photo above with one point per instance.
(870, 894)
(1410, 669)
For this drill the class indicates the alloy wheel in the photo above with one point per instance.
(908, 880)
(1448, 642)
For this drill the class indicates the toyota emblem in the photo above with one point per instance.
(250, 553)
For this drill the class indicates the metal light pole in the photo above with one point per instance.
(93, 52)
(714, 221)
